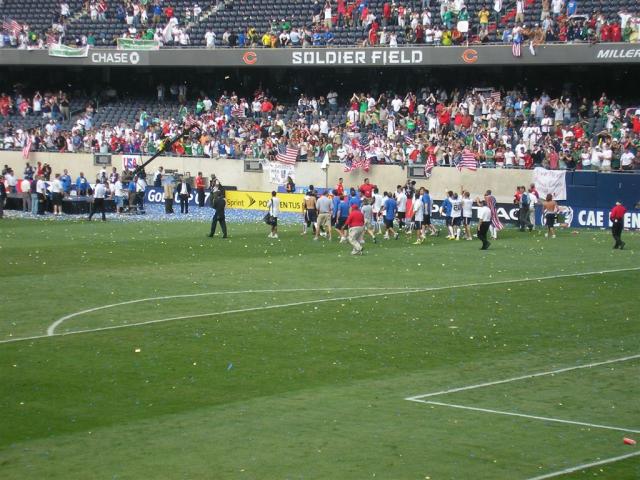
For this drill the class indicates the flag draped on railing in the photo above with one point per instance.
(137, 44)
(468, 160)
(68, 52)
(27, 147)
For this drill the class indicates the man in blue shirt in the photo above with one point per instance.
(354, 198)
(335, 201)
(82, 185)
(389, 208)
(343, 213)
(428, 208)
(445, 211)
(65, 179)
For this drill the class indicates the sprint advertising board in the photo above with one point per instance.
(289, 202)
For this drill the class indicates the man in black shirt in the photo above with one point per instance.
(219, 204)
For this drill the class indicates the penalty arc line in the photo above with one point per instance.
(531, 417)
(585, 466)
(57, 323)
(311, 302)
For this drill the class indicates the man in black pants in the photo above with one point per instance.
(184, 191)
(617, 222)
(484, 217)
(219, 204)
(98, 200)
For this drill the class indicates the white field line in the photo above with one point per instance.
(585, 466)
(54, 325)
(57, 323)
(419, 398)
(531, 417)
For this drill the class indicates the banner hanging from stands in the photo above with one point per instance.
(137, 44)
(550, 181)
(278, 172)
(131, 162)
(57, 50)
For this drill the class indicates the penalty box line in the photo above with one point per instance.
(585, 466)
(421, 398)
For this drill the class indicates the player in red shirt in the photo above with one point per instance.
(367, 188)
(340, 188)
(355, 222)
(617, 221)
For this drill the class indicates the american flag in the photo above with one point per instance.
(429, 166)
(11, 26)
(27, 146)
(495, 95)
(51, 39)
(358, 162)
(468, 160)
(237, 111)
(287, 154)
(491, 203)
(516, 49)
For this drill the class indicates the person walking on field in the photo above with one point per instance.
(484, 219)
(99, 194)
(324, 209)
(219, 204)
(355, 222)
(550, 207)
(617, 222)
(274, 211)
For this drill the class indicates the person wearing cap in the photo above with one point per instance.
(617, 221)
(355, 222)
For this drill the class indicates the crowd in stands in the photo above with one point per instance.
(393, 24)
(511, 129)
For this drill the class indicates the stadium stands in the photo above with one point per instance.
(591, 21)
(501, 128)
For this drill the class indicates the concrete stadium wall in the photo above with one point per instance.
(231, 172)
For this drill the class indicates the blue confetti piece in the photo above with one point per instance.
(229, 367)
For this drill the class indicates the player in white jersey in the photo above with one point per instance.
(456, 216)
(378, 202)
(418, 217)
(467, 214)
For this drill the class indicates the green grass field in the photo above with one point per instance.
(254, 358)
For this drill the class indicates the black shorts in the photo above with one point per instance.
(417, 225)
(340, 222)
(447, 220)
(57, 198)
(274, 221)
(401, 215)
(456, 221)
(312, 215)
(550, 219)
(388, 222)
(427, 220)
(466, 221)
